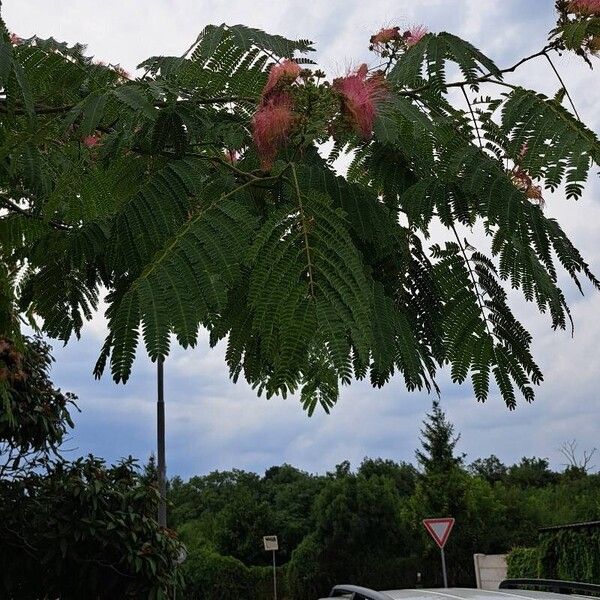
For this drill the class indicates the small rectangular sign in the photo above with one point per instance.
(270, 542)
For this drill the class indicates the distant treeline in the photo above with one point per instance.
(364, 525)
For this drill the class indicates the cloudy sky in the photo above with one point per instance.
(214, 424)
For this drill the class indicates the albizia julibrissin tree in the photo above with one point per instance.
(200, 195)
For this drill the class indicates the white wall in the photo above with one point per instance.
(490, 570)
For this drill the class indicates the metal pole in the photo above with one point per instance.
(444, 568)
(160, 435)
(274, 577)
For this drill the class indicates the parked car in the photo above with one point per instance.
(517, 589)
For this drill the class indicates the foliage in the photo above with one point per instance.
(523, 563)
(531, 472)
(152, 189)
(70, 529)
(577, 29)
(210, 576)
(439, 442)
(403, 474)
(364, 525)
(306, 577)
(491, 469)
(262, 578)
(35, 414)
(571, 554)
(83, 529)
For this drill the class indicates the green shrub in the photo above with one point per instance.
(571, 554)
(523, 562)
(306, 577)
(210, 576)
(262, 578)
(313, 569)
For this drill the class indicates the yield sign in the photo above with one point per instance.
(439, 529)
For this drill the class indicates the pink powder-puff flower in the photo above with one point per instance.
(122, 73)
(288, 71)
(271, 126)
(384, 36)
(15, 39)
(89, 141)
(593, 44)
(414, 35)
(584, 7)
(523, 182)
(231, 156)
(360, 94)
(523, 151)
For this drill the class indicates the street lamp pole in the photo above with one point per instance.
(160, 436)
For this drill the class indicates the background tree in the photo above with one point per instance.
(531, 472)
(438, 443)
(403, 474)
(577, 462)
(491, 469)
(364, 524)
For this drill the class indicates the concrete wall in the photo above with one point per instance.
(490, 570)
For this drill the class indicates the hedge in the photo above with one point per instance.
(571, 554)
(262, 578)
(523, 562)
(211, 576)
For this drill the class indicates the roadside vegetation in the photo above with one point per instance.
(363, 524)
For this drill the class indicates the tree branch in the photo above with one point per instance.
(11, 206)
(42, 109)
(311, 283)
(472, 116)
(562, 83)
(487, 77)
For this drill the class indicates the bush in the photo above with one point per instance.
(571, 554)
(523, 562)
(210, 576)
(83, 529)
(306, 577)
(263, 582)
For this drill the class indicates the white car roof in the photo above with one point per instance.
(474, 594)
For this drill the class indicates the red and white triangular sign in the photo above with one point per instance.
(439, 529)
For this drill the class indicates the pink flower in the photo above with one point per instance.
(524, 149)
(231, 156)
(522, 181)
(271, 126)
(585, 7)
(360, 95)
(89, 141)
(414, 35)
(593, 44)
(534, 192)
(288, 71)
(385, 35)
(15, 39)
(121, 72)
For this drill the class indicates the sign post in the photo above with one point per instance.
(439, 530)
(272, 545)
